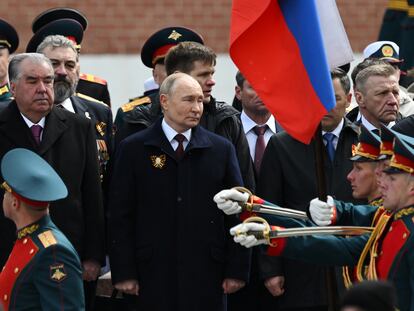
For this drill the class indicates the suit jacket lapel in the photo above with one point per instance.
(55, 126)
(15, 129)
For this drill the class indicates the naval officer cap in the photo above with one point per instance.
(8, 36)
(30, 178)
(159, 43)
(384, 50)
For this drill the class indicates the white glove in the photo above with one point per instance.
(240, 236)
(228, 200)
(322, 212)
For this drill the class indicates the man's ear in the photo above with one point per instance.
(359, 97)
(13, 88)
(164, 101)
(238, 91)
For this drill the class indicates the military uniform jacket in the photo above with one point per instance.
(389, 253)
(43, 271)
(69, 146)
(163, 221)
(101, 118)
(218, 117)
(288, 179)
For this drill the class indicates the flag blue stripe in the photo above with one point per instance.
(302, 20)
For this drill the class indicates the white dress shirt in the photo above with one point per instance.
(170, 134)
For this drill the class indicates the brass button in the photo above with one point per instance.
(16, 270)
(31, 251)
(24, 241)
(404, 235)
(5, 297)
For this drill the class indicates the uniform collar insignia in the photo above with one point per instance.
(404, 212)
(158, 161)
(57, 272)
(174, 35)
(100, 127)
(27, 230)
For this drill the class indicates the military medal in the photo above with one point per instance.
(100, 127)
(158, 161)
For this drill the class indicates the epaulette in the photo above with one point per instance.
(90, 98)
(4, 89)
(92, 78)
(131, 105)
(47, 238)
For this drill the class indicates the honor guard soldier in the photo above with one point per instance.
(9, 41)
(152, 55)
(384, 254)
(43, 271)
(89, 86)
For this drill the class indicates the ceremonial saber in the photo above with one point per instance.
(273, 210)
(295, 232)
(268, 234)
(269, 209)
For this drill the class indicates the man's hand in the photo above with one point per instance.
(231, 286)
(130, 287)
(322, 212)
(240, 233)
(275, 285)
(228, 200)
(91, 270)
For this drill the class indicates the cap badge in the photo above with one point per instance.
(158, 161)
(387, 51)
(174, 35)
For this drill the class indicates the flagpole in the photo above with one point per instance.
(331, 286)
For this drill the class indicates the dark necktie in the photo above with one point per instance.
(179, 152)
(260, 145)
(36, 132)
(329, 138)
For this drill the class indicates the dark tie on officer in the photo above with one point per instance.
(180, 138)
(330, 147)
(36, 132)
(260, 145)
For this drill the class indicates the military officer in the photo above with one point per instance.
(9, 41)
(89, 85)
(152, 55)
(43, 271)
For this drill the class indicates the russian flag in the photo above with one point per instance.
(278, 46)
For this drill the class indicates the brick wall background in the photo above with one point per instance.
(121, 26)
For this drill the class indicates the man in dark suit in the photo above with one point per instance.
(266, 281)
(62, 52)
(168, 243)
(67, 142)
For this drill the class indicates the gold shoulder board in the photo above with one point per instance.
(90, 98)
(136, 102)
(47, 238)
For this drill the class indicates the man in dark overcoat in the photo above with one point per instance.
(67, 142)
(168, 243)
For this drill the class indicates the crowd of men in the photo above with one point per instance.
(136, 196)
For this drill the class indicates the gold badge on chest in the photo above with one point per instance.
(158, 161)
